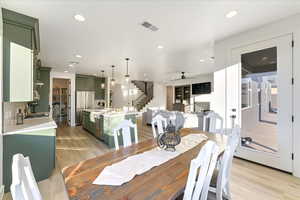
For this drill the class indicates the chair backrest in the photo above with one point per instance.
(125, 126)
(226, 163)
(24, 186)
(161, 123)
(215, 123)
(200, 173)
(179, 121)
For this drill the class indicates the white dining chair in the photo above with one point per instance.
(200, 174)
(215, 122)
(124, 129)
(160, 122)
(179, 121)
(24, 185)
(219, 187)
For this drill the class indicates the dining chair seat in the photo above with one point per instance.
(124, 129)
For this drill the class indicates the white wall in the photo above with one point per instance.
(285, 26)
(1, 62)
(198, 79)
(120, 96)
(159, 96)
(70, 76)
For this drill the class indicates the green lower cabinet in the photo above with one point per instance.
(39, 146)
(87, 124)
(107, 124)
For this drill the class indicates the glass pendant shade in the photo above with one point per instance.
(127, 76)
(102, 76)
(112, 80)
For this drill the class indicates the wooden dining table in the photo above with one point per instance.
(163, 182)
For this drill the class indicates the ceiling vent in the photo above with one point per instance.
(150, 26)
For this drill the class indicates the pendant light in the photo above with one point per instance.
(112, 75)
(102, 76)
(127, 76)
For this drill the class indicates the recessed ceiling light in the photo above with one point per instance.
(78, 56)
(160, 47)
(79, 18)
(231, 14)
(66, 71)
(202, 60)
(71, 65)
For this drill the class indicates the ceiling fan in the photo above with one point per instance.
(182, 77)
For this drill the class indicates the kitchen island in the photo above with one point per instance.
(101, 124)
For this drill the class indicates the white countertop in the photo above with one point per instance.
(109, 113)
(112, 114)
(36, 124)
(95, 110)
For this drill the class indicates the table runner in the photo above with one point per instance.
(125, 170)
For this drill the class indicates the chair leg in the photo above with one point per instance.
(227, 192)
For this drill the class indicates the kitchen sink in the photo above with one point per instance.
(36, 115)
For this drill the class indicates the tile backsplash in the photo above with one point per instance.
(10, 111)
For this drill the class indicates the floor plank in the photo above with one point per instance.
(249, 181)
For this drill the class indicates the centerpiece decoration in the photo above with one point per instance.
(169, 138)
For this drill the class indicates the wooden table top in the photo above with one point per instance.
(163, 182)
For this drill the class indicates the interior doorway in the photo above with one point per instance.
(61, 101)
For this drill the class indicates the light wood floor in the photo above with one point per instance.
(248, 182)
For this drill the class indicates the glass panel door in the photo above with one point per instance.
(259, 93)
(258, 100)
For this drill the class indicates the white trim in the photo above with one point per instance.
(1, 95)
(1, 192)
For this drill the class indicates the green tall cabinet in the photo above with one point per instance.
(20, 47)
(43, 76)
(85, 82)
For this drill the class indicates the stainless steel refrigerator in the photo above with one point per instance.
(84, 100)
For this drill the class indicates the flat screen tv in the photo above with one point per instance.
(201, 88)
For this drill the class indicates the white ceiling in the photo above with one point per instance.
(112, 32)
